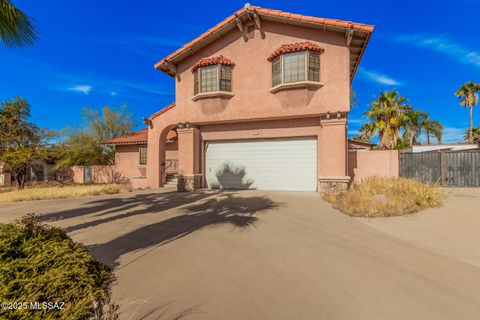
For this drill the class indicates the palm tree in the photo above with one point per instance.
(475, 134)
(413, 125)
(468, 95)
(16, 28)
(366, 132)
(386, 114)
(433, 127)
(353, 99)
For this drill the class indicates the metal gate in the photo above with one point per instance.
(449, 168)
(87, 174)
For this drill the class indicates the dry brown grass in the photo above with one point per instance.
(383, 197)
(60, 192)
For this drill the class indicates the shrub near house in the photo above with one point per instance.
(381, 197)
(41, 264)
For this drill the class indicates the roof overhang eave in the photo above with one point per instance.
(359, 59)
(123, 143)
(163, 64)
(360, 32)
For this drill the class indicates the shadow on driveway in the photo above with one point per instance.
(126, 206)
(194, 211)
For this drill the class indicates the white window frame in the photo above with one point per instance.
(307, 62)
(199, 77)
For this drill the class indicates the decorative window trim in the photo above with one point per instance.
(306, 74)
(205, 62)
(295, 47)
(213, 94)
(311, 75)
(312, 85)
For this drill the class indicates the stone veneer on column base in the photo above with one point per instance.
(189, 182)
(333, 182)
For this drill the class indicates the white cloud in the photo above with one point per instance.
(441, 44)
(113, 93)
(452, 134)
(356, 121)
(378, 77)
(83, 88)
(353, 132)
(54, 78)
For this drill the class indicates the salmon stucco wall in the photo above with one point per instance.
(252, 101)
(363, 164)
(77, 174)
(332, 149)
(100, 174)
(171, 152)
(252, 77)
(127, 161)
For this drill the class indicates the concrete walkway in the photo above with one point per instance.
(262, 255)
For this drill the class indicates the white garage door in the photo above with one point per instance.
(274, 164)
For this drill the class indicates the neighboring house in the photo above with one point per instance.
(441, 147)
(262, 101)
(38, 171)
(360, 145)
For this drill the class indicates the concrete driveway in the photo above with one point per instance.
(262, 255)
(452, 230)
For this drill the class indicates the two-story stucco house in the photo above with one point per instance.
(262, 101)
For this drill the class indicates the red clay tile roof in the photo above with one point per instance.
(172, 134)
(361, 142)
(277, 15)
(293, 47)
(156, 114)
(211, 61)
(136, 137)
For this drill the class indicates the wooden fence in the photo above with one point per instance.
(449, 168)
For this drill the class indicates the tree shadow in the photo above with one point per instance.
(129, 206)
(225, 208)
(231, 177)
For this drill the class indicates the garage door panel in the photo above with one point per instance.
(280, 164)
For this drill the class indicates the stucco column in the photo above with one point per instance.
(332, 152)
(155, 158)
(189, 160)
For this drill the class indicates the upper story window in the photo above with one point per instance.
(212, 75)
(295, 63)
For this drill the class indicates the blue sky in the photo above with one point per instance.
(93, 53)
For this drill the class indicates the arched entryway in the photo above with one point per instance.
(168, 156)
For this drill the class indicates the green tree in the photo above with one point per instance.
(21, 141)
(468, 95)
(432, 127)
(475, 134)
(353, 99)
(84, 146)
(366, 132)
(386, 115)
(412, 124)
(16, 27)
